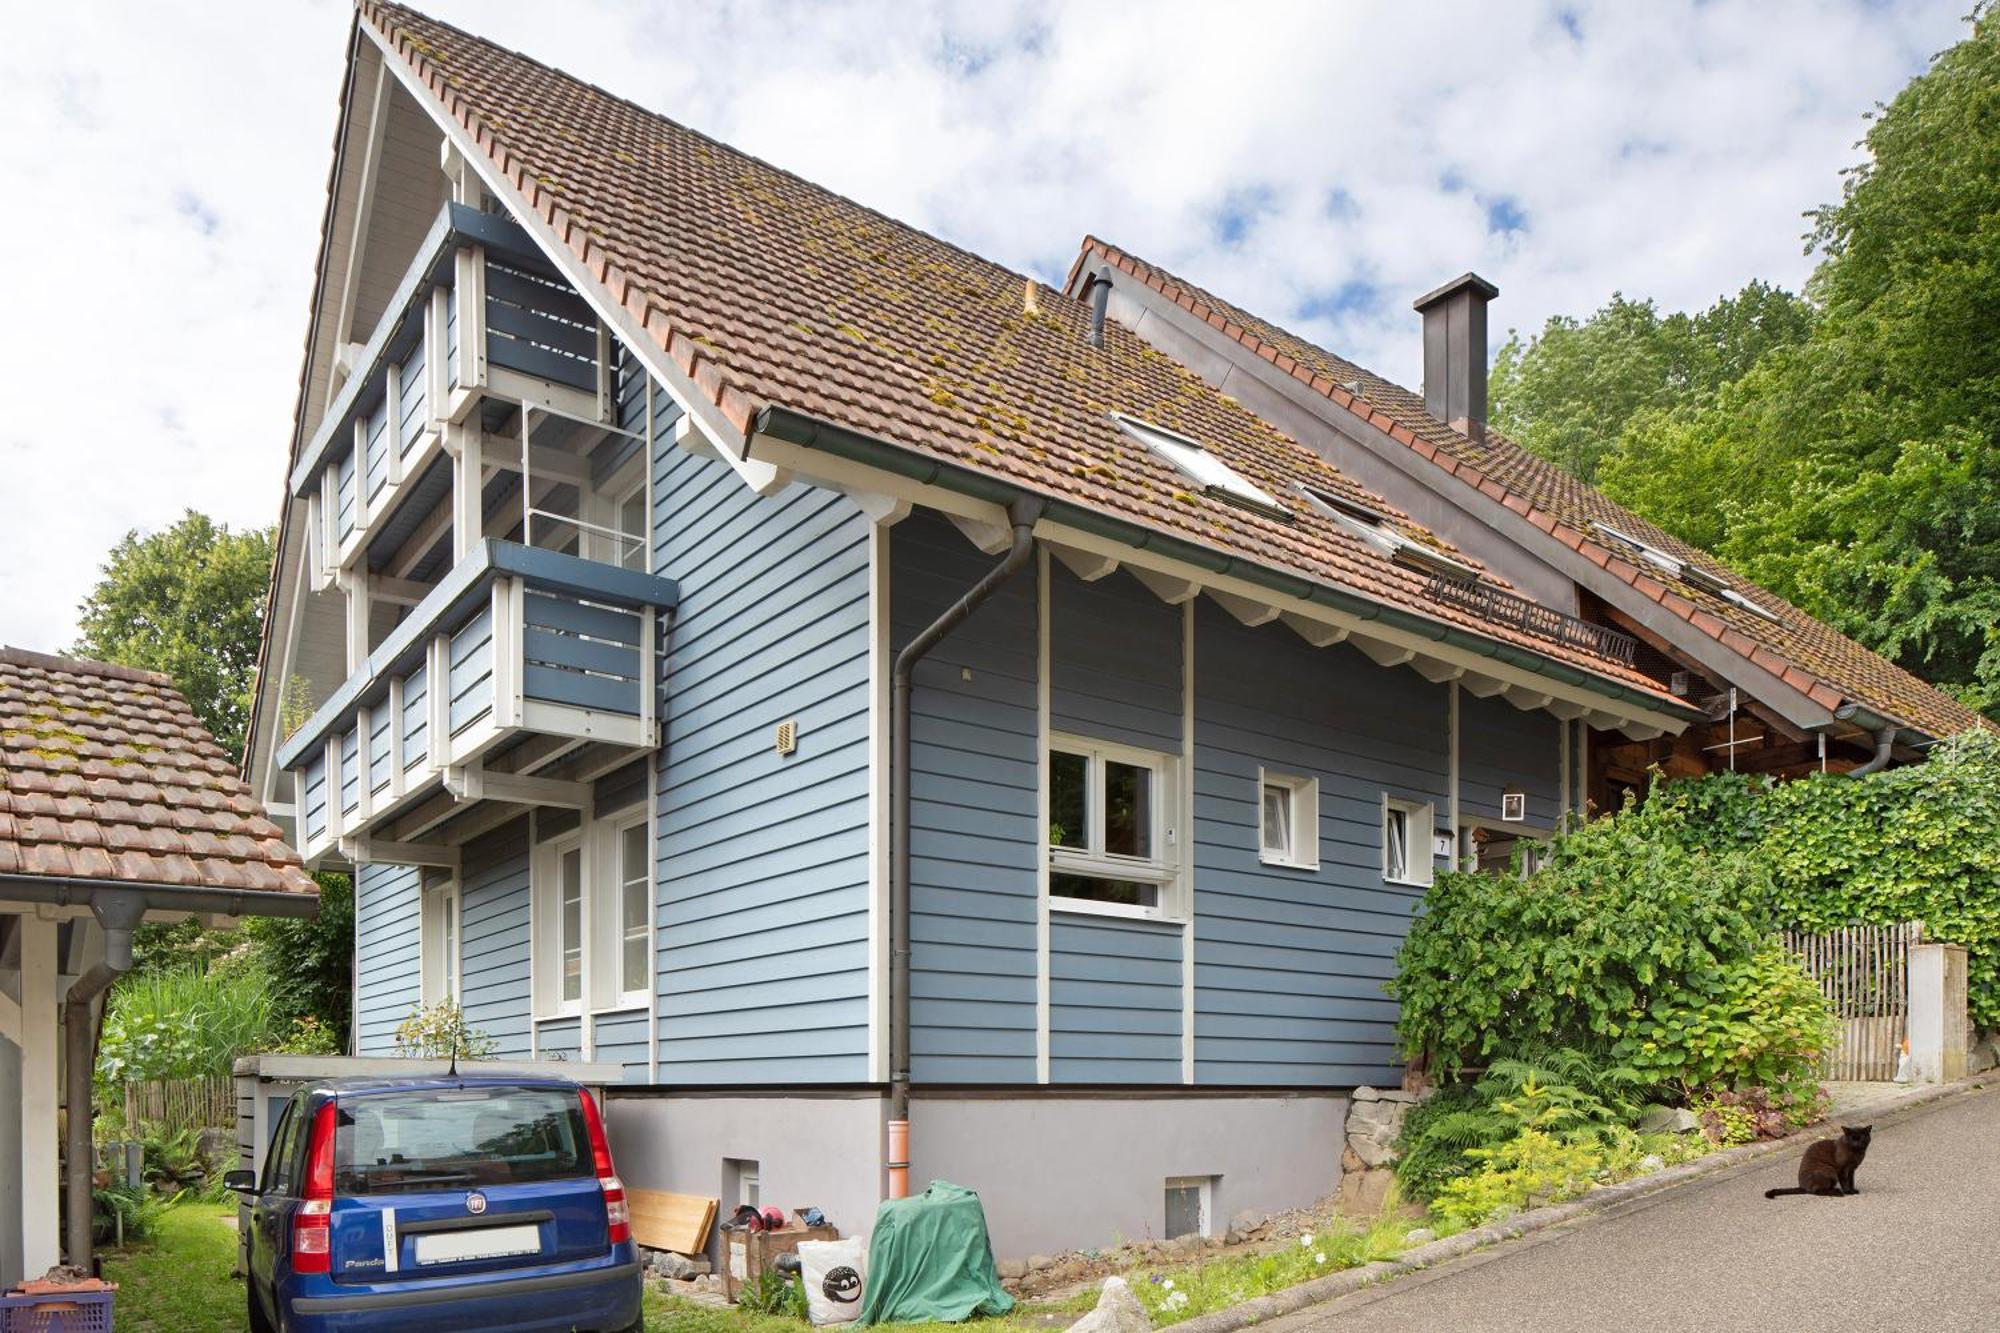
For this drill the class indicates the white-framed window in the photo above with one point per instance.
(1287, 820)
(1112, 835)
(438, 929)
(625, 912)
(593, 911)
(1406, 841)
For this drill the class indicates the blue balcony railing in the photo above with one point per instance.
(514, 642)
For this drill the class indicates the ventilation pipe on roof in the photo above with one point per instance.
(118, 911)
(1097, 291)
(1022, 513)
(1455, 352)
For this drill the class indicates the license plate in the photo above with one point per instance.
(450, 1247)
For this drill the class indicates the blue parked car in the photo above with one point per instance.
(475, 1202)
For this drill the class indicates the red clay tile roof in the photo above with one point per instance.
(1812, 657)
(768, 290)
(105, 773)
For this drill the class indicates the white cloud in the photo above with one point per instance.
(167, 164)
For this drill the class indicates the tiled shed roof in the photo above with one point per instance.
(769, 291)
(1812, 657)
(105, 774)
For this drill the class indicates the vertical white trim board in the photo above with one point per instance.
(1042, 929)
(1186, 849)
(880, 664)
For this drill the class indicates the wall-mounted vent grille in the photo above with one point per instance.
(787, 737)
(1497, 607)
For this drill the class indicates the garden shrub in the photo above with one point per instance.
(1732, 1117)
(1757, 1021)
(440, 1032)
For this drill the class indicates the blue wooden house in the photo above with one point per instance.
(858, 688)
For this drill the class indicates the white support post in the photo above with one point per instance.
(507, 653)
(469, 290)
(336, 822)
(437, 351)
(364, 729)
(466, 444)
(648, 675)
(397, 786)
(1937, 1013)
(329, 532)
(355, 583)
(392, 433)
(41, 1244)
(437, 700)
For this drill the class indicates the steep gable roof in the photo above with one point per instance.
(767, 291)
(106, 774)
(1811, 656)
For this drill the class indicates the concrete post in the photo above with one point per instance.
(1937, 1013)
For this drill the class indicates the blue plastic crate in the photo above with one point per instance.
(65, 1312)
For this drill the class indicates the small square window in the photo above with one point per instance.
(1288, 820)
(1189, 1201)
(1406, 842)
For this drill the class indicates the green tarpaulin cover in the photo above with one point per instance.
(929, 1260)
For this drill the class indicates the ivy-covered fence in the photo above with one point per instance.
(1920, 843)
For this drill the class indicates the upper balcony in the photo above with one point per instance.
(521, 677)
(478, 495)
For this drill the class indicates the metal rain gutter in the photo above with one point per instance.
(1022, 514)
(66, 891)
(808, 432)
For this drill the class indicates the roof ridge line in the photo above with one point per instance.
(82, 666)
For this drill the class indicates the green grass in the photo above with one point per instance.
(1171, 1294)
(179, 1282)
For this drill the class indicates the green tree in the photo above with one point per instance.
(188, 601)
(310, 961)
(1846, 456)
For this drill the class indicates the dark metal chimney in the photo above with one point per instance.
(1455, 352)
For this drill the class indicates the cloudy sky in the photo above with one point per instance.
(165, 168)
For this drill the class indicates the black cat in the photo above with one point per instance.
(1828, 1166)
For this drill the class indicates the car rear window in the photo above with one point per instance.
(458, 1137)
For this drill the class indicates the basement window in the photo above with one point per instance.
(1190, 1203)
(1373, 527)
(1215, 477)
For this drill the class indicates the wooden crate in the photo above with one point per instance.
(745, 1254)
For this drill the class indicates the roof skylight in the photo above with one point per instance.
(1215, 477)
(1672, 566)
(1372, 526)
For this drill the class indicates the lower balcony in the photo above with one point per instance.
(521, 678)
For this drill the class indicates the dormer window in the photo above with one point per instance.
(1215, 477)
(1372, 526)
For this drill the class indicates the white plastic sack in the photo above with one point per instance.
(833, 1272)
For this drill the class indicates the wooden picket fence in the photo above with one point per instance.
(182, 1103)
(1864, 972)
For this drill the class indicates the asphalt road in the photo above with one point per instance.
(1917, 1249)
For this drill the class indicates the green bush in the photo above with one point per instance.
(440, 1032)
(1623, 918)
(1563, 1092)
(1757, 1021)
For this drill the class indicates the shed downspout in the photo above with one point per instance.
(1885, 741)
(1884, 731)
(118, 911)
(1022, 513)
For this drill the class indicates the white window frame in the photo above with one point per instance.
(598, 844)
(1199, 465)
(1302, 811)
(1092, 861)
(545, 876)
(442, 950)
(608, 992)
(1420, 821)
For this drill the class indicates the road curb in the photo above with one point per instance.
(1335, 1285)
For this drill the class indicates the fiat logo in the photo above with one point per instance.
(475, 1203)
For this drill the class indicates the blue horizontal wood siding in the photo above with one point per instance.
(315, 797)
(1114, 661)
(620, 1039)
(410, 409)
(1289, 964)
(350, 770)
(416, 717)
(494, 946)
(1114, 1000)
(381, 728)
(559, 1038)
(345, 493)
(584, 656)
(376, 452)
(471, 663)
(763, 868)
(1499, 746)
(974, 842)
(389, 962)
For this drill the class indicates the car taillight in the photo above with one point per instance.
(616, 1211)
(312, 1223)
